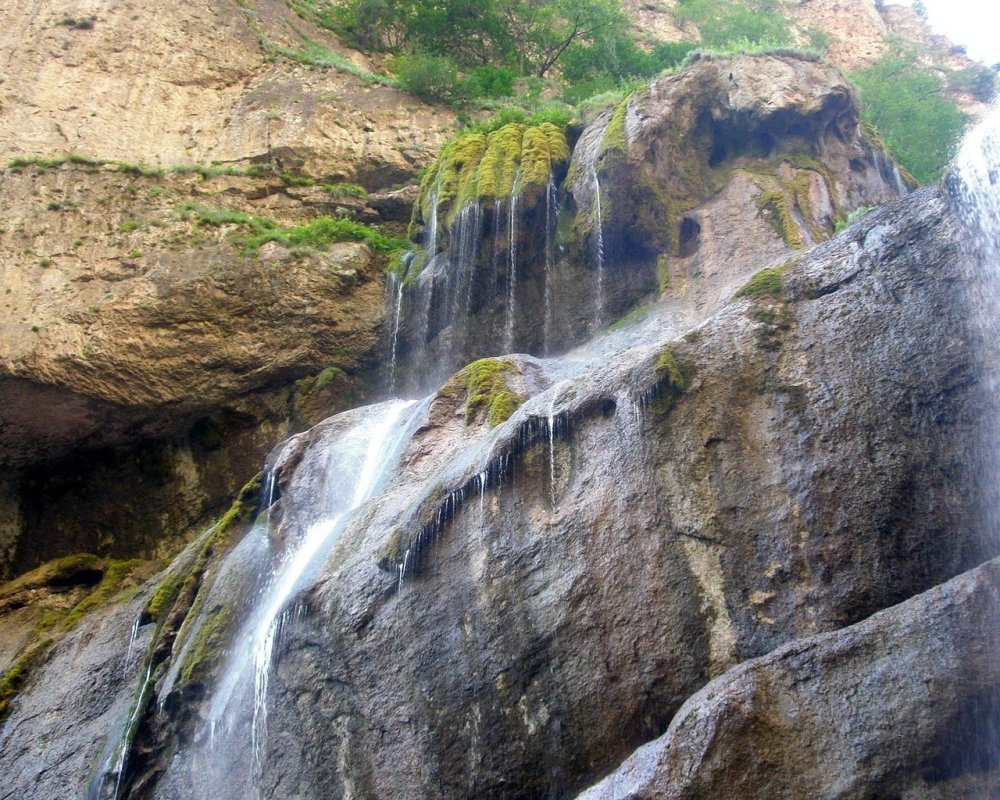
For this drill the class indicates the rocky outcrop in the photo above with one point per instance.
(185, 84)
(143, 345)
(147, 361)
(650, 516)
(565, 609)
(903, 704)
(682, 191)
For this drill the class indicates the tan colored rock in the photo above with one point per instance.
(180, 83)
(120, 309)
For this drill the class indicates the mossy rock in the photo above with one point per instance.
(486, 168)
(765, 283)
(122, 579)
(484, 383)
(162, 599)
(774, 204)
(208, 644)
(16, 675)
(79, 569)
(672, 377)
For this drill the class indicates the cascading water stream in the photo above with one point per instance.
(512, 262)
(975, 185)
(396, 288)
(551, 215)
(598, 244)
(360, 459)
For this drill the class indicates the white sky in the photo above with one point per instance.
(974, 23)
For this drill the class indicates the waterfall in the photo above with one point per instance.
(975, 185)
(598, 244)
(395, 288)
(512, 263)
(551, 215)
(359, 460)
(432, 223)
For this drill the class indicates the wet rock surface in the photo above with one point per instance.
(680, 192)
(538, 639)
(903, 704)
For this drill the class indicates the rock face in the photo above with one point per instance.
(682, 191)
(566, 615)
(142, 347)
(191, 84)
(903, 704)
(147, 363)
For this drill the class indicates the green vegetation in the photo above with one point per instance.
(164, 596)
(766, 283)
(484, 383)
(316, 234)
(854, 216)
(487, 166)
(16, 675)
(209, 640)
(906, 103)
(672, 377)
(775, 205)
(345, 190)
(721, 23)
(328, 376)
(112, 585)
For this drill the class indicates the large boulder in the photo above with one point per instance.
(904, 704)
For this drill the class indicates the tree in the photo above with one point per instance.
(542, 32)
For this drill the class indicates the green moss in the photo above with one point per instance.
(668, 371)
(766, 283)
(109, 589)
(634, 317)
(663, 276)
(497, 169)
(328, 376)
(614, 137)
(775, 205)
(72, 570)
(208, 644)
(163, 598)
(16, 675)
(485, 167)
(672, 378)
(394, 548)
(543, 148)
(485, 385)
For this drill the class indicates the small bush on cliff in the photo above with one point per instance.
(721, 23)
(766, 283)
(907, 105)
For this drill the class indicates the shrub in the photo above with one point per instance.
(722, 23)
(432, 78)
(905, 102)
(489, 81)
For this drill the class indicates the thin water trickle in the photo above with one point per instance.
(512, 264)
(432, 223)
(131, 645)
(551, 216)
(552, 450)
(396, 286)
(598, 244)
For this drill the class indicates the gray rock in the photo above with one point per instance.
(905, 704)
(820, 466)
